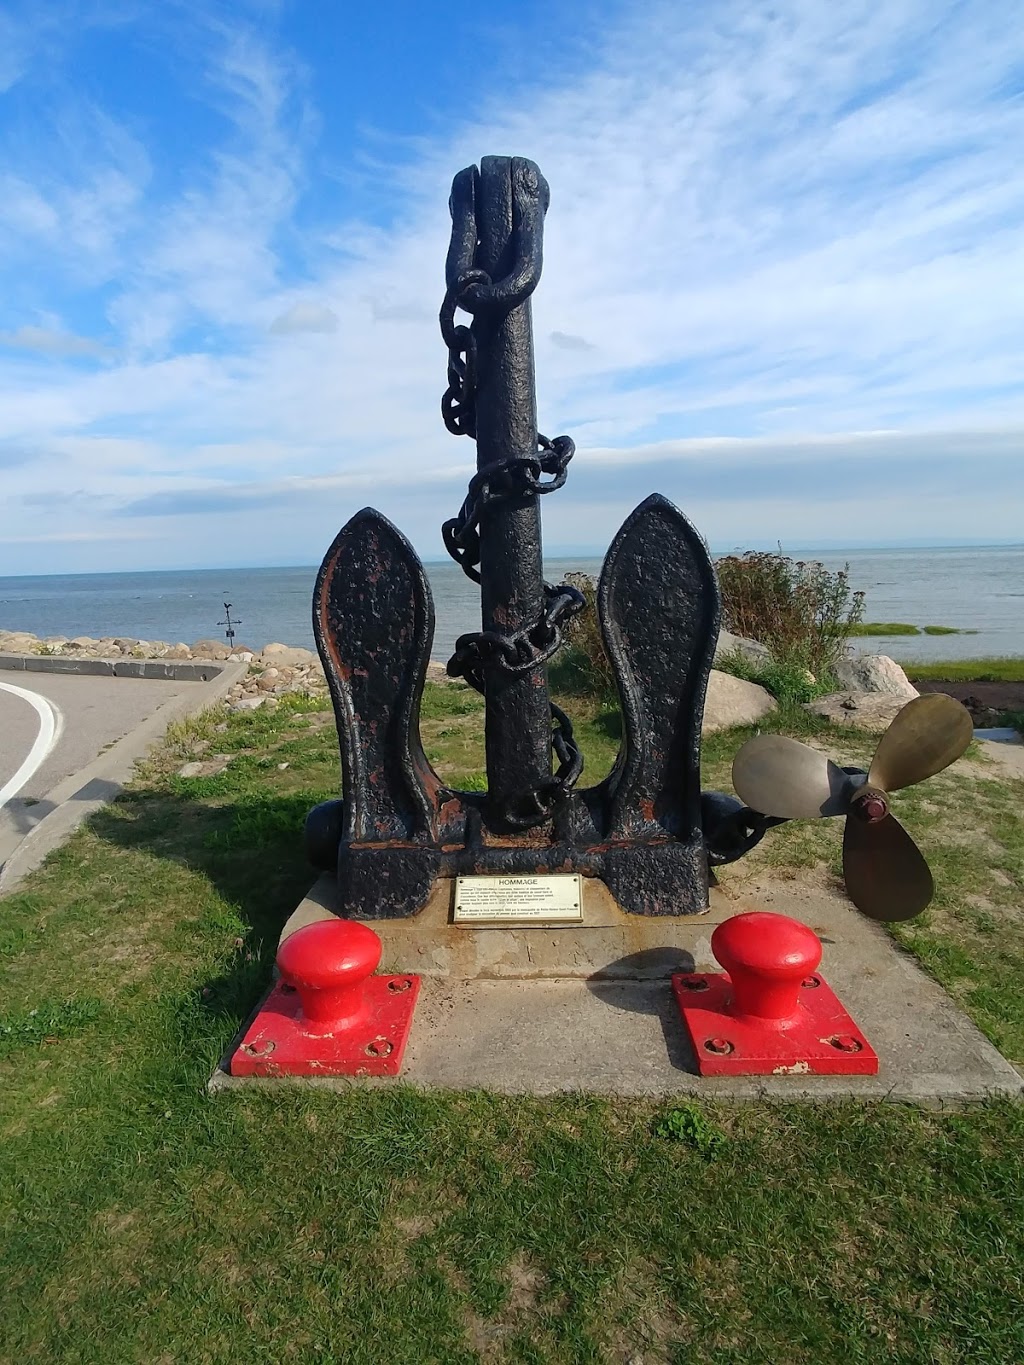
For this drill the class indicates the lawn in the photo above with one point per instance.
(1010, 669)
(146, 1220)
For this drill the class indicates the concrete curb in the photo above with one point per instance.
(167, 670)
(77, 797)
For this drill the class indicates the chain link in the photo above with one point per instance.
(458, 404)
(513, 478)
(541, 471)
(521, 650)
(539, 804)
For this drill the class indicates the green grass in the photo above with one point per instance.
(145, 1220)
(884, 628)
(905, 628)
(788, 681)
(1007, 669)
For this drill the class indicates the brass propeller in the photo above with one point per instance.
(886, 875)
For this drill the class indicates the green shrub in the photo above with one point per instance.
(803, 612)
(582, 666)
(789, 682)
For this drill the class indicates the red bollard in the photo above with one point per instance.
(767, 957)
(329, 964)
(329, 1015)
(770, 1012)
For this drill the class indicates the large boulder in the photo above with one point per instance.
(286, 655)
(874, 673)
(209, 649)
(437, 672)
(735, 644)
(731, 701)
(872, 711)
(19, 642)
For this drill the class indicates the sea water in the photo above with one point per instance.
(975, 589)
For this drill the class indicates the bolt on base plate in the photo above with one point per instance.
(819, 1040)
(281, 1042)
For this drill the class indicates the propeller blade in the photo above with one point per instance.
(885, 872)
(782, 777)
(929, 734)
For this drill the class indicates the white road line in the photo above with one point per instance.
(51, 723)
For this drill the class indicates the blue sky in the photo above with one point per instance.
(784, 268)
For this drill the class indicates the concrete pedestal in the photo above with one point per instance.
(589, 1006)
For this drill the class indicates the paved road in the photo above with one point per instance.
(52, 726)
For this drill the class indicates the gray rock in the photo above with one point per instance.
(205, 767)
(249, 704)
(287, 655)
(209, 649)
(83, 642)
(872, 711)
(178, 651)
(20, 642)
(731, 701)
(874, 673)
(736, 644)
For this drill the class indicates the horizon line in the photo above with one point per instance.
(580, 552)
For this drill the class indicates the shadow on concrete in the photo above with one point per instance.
(639, 983)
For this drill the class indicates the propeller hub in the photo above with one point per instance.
(871, 807)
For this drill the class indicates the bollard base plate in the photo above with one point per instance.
(820, 1040)
(281, 1042)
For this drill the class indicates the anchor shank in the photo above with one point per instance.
(518, 727)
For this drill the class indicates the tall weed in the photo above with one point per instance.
(803, 612)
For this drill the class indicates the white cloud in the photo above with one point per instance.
(777, 224)
(49, 341)
(305, 317)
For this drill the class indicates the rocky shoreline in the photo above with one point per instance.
(875, 687)
(273, 671)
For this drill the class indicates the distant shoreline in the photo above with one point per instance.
(964, 589)
(554, 555)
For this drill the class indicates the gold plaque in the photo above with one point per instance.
(526, 900)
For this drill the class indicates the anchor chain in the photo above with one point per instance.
(541, 471)
(520, 650)
(733, 834)
(518, 477)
